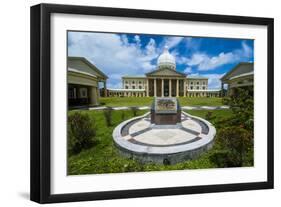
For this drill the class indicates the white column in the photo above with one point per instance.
(98, 90)
(105, 89)
(177, 88)
(162, 90)
(184, 88)
(147, 87)
(155, 87)
(93, 96)
(170, 88)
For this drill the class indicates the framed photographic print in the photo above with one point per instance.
(133, 103)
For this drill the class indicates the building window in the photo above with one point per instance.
(133, 82)
(72, 93)
(133, 87)
(197, 83)
(204, 83)
(139, 82)
(126, 82)
(140, 87)
(191, 87)
(83, 92)
(191, 83)
(197, 87)
(126, 87)
(204, 87)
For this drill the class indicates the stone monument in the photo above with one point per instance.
(165, 135)
(165, 111)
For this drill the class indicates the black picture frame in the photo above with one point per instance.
(41, 99)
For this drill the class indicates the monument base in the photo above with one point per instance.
(165, 111)
(140, 140)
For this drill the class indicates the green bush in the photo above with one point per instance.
(81, 132)
(123, 115)
(108, 116)
(241, 103)
(237, 143)
(219, 157)
(134, 111)
(209, 116)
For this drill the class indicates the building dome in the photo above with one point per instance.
(166, 60)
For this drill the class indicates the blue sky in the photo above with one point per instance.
(136, 54)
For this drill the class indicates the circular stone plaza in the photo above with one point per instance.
(143, 139)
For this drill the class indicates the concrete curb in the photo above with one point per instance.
(163, 154)
(148, 108)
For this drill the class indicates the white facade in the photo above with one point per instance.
(198, 83)
(164, 81)
(134, 83)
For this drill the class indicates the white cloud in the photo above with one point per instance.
(171, 42)
(187, 70)
(151, 49)
(214, 80)
(181, 60)
(115, 80)
(246, 51)
(114, 84)
(192, 44)
(114, 54)
(137, 39)
(205, 62)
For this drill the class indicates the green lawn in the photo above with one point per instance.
(103, 157)
(217, 114)
(200, 101)
(146, 101)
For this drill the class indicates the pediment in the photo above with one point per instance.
(165, 72)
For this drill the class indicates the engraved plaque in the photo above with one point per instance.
(165, 105)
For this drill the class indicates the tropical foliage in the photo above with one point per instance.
(235, 134)
(81, 132)
(233, 146)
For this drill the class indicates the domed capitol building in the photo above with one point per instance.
(165, 81)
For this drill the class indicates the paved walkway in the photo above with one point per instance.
(147, 108)
(166, 144)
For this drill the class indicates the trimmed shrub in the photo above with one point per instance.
(220, 158)
(241, 103)
(209, 116)
(237, 142)
(81, 132)
(123, 115)
(108, 116)
(134, 110)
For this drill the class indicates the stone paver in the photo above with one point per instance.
(138, 126)
(191, 125)
(164, 137)
(159, 143)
